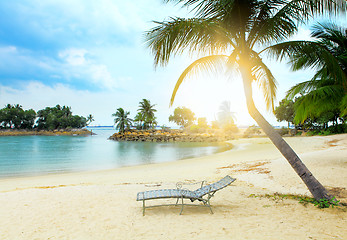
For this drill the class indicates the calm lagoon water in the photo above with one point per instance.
(39, 155)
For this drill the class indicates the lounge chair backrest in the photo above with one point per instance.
(181, 194)
(214, 186)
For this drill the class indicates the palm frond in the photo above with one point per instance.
(329, 31)
(310, 8)
(266, 81)
(195, 35)
(318, 101)
(301, 88)
(305, 54)
(284, 50)
(213, 8)
(275, 22)
(209, 63)
(343, 106)
(282, 17)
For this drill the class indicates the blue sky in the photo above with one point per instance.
(91, 55)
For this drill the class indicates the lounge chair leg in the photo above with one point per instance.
(182, 207)
(177, 200)
(210, 209)
(143, 208)
(208, 204)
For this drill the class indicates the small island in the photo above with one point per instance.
(153, 135)
(51, 121)
(143, 128)
(59, 132)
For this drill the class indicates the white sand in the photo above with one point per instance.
(102, 205)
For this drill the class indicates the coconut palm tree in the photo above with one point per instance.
(239, 28)
(225, 115)
(66, 111)
(139, 120)
(122, 120)
(90, 119)
(147, 111)
(328, 54)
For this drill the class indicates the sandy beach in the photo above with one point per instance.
(102, 204)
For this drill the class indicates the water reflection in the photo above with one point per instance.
(28, 155)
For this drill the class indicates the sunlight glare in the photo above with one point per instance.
(204, 96)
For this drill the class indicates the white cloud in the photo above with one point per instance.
(38, 96)
(73, 56)
(101, 75)
(78, 65)
(8, 49)
(101, 104)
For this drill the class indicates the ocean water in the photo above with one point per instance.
(39, 155)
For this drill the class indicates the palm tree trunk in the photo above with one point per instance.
(315, 187)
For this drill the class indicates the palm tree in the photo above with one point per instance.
(153, 122)
(66, 111)
(122, 120)
(327, 89)
(147, 111)
(240, 27)
(225, 115)
(90, 119)
(138, 120)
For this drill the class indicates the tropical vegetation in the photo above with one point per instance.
(122, 121)
(252, 131)
(324, 96)
(285, 111)
(145, 117)
(323, 124)
(59, 117)
(90, 119)
(225, 118)
(50, 118)
(14, 116)
(321, 102)
(182, 116)
(240, 28)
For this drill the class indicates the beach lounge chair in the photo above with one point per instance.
(202, 194)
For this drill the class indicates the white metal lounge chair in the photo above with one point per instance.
(203, 194)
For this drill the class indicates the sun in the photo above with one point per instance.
(204, 96)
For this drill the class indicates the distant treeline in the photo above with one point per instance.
(50, 118)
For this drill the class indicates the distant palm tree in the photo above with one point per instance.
(240, 27)
(66, 111)
(122, 120)
(139, 120)
(327, 90)
(90, 119)
(147, 111)
(152, 122)
(225, 115)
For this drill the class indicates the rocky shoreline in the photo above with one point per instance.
(57, 132)
(167, 136)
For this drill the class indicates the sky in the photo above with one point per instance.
(91, 56)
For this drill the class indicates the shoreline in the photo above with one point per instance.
(239, 147)
(84, 205)
(56, 132)
(235, 159)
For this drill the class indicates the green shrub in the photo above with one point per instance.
(336, 129)
(196, 129)
(251, 131)
(322, 203)
(283, 131)
(325, 203)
